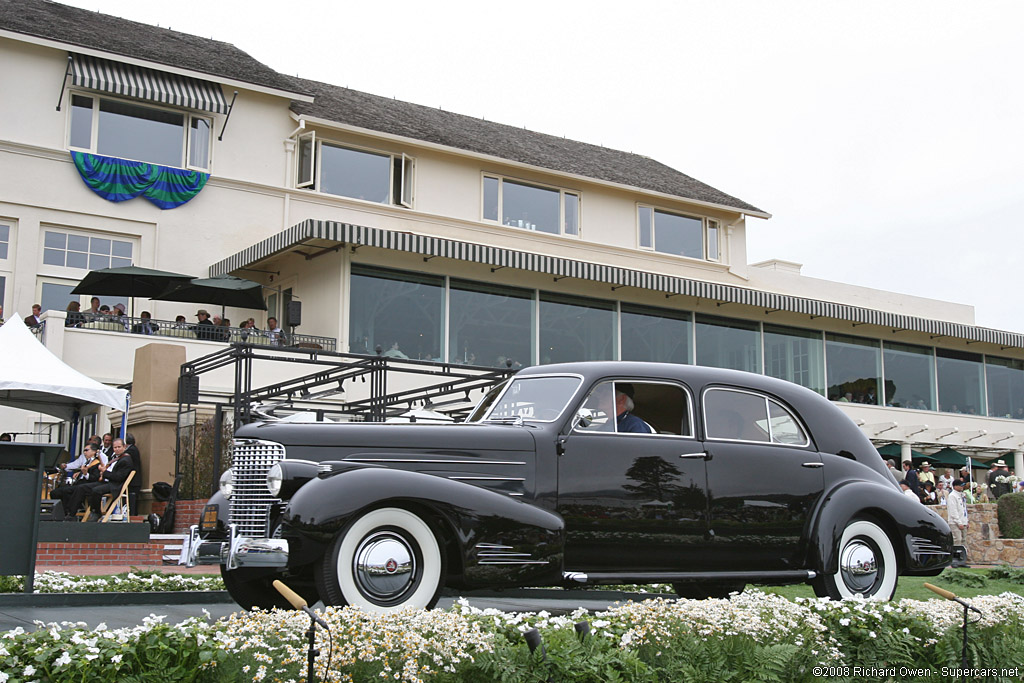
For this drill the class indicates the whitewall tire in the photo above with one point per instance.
(386, 560)
(867, 565)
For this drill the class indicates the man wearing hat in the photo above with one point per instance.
(996, 487)
(926, 474)
(205, 329)
(957, 513)
(625, 420)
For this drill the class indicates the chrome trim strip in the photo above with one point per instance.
(475, 478)
(578, 577)
(499, 554)
(439, 462)
(512, 562)
(493, 546)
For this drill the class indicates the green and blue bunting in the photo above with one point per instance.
(119, 180)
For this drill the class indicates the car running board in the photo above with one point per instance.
(605, 578)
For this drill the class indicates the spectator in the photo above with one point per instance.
(999, 483)
(6, 437)
(274, 332)
(221, 330)
(243, 329)
(34, 320)
(204, 329)
(941, 492)
(136, 486)
(94, 309)
(107, 447)
(394, 352)
(957, 513)
(145, 326)
(926, 474)
(891, 466)
(947, 479)
(907, 490)
(910, 476)
(75, 317)
(928, 496)
(104, 312)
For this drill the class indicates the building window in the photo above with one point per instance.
(726, 343)
(656, 334)
(132, 131)
(854, 369)
(80, 251)
(1005, 382)
(5, 240)
(909, 376)
(55, 296)
(356, 173)
(575, 328)
(961, 382)
(678, 234)
(795, 355)
(531, 207)
(490, 325)
(400, 312)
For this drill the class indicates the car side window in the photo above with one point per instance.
(637, 407)
(744, 416)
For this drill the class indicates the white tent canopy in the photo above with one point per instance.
(32, 378)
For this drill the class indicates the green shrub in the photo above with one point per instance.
(1011, 515)
(962, 578)
(1005, 572)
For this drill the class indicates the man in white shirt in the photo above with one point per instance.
(957, 510)
(907, 490)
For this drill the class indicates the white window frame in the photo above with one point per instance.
(186, 137)
(74, 272)
(562, 192)
(59, 280)
(708, 226)
(405, 163)
(10, 240)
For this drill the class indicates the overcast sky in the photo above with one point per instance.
(885, 138)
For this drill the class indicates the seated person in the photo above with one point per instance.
(145, 326)
(85, 474)
(625, 420)
(75, 317)
(394, 352)
(112, 479)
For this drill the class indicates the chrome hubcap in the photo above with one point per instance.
(385, 565)
(858, 566)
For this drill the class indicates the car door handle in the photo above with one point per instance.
(813, 464)
(694, 456)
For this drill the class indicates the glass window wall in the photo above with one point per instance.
(854, 369)
(530, 207)
(574, 328)
(795, 355)
(1005, 382)
(679, 235)
(400, 312)
(727, 343)
(129, 131)
(489, 325)
(909, 376)
(961, 382)
(656, 334)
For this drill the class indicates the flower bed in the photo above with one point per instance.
(135, 581)
(753, 636)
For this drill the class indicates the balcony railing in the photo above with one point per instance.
(192, 331)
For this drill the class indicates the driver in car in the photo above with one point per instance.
(625, 420)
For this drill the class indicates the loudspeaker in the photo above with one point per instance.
(188, 389)
(52, 511)
(294, 313)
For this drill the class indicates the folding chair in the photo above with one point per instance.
(118, 502)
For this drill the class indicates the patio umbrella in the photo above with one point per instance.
(130, 281)
(226, 290)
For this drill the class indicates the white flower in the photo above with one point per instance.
(65, 658)
(844, 621)
(116, 659)
(871, 634)
(3, 677)
(29, 671)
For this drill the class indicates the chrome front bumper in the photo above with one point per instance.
(237, 551)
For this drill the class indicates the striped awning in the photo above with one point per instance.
(146, 84)
(346, 233)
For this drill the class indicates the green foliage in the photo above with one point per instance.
(1010, 508)
(963, 578)
(1005, 572)
(197, 457)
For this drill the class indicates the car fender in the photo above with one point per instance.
(921, 538)
(498, 538)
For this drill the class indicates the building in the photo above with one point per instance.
(433, 235)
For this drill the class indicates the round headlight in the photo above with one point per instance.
(225, 483)
(274, 477)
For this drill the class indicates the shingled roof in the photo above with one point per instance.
(74, 26)
(106, 33)
(386, 115)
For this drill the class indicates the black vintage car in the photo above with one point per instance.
(571, 474)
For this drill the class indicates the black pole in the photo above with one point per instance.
(963, 654)
(218, 428)
(62, 82)
(312, 652)
(231, 107)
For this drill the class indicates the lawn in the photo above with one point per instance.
(966, 583)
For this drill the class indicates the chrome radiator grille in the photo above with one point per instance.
(250, 499)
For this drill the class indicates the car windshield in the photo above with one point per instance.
(538, 399)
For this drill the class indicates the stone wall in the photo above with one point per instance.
(984, 545)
